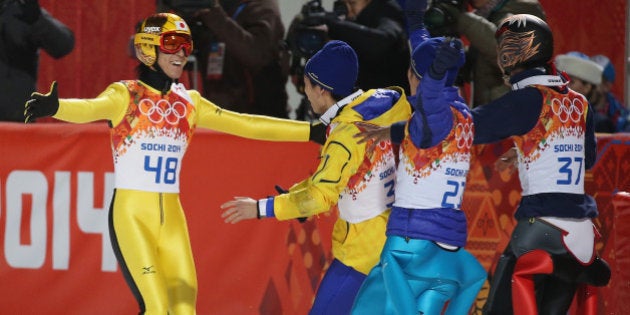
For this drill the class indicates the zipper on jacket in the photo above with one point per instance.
(407, 225)
(347, 232)
(161, 209)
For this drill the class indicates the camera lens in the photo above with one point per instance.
(310, 41)
(435, 18)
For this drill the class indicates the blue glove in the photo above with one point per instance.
(414, 12)
(447, 56)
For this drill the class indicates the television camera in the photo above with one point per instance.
(438, 19)
(304, 38)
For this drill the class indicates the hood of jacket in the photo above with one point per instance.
(381, 107)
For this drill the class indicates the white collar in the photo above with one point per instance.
(332, 111)
(180, 89)
(546, 80)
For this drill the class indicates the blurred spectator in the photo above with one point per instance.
(585, 76)
(478, 27)
(239, 48)
(608, 104)
(376, 31)
(24, 29)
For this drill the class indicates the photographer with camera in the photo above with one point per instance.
(25, 28)
(240, 51)
(373, 28)
(450, 18)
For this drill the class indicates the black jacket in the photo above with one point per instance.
(19, 54)
(379, 39)
(253, 79)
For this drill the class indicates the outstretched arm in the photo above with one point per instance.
(110, 105)
(370, 131)
(340, 159)
(257, 127)
(395, 133)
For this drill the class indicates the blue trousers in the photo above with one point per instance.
(419, 277)
(337, 290)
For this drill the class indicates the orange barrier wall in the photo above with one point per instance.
(55, 256)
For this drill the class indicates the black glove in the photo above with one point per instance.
(30, 11)
(414, 12)
(447, 56)
(41, 105)
(318, 132)
(281, 190)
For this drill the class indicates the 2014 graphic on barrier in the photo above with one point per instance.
(32, 253)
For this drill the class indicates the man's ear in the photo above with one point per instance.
(321, 90)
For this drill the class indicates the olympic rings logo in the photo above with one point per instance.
(162, 111)
(384, 145)
(567, 109)
(464, 135)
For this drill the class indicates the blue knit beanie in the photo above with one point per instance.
(609, 70)
(423, 55)
(335, 68)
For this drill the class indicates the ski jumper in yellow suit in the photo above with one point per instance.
(360, 182)
(149, 136)
(152, 121)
